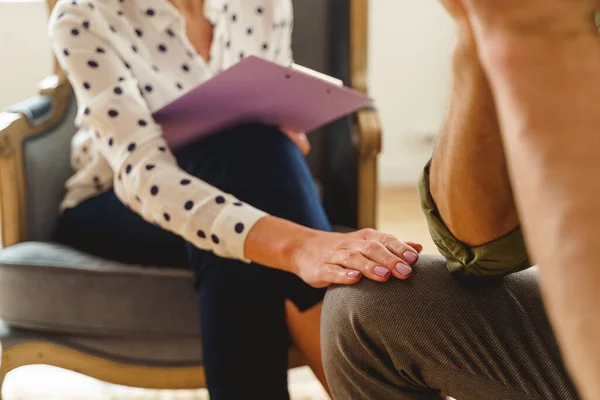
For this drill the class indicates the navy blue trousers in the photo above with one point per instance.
(241, 306)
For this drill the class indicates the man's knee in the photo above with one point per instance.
(373, 333)
(373, 312)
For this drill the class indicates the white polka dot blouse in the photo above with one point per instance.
(128, 58)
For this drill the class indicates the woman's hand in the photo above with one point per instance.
(327, 258)
(299, 139)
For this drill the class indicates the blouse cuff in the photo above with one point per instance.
(231, 228)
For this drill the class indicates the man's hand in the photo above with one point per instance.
(465, 32)
(455, 9)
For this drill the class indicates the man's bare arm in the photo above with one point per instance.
(543, 61)
(468, 177)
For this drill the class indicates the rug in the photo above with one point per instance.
(48, 383)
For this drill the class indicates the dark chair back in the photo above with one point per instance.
(321, 41)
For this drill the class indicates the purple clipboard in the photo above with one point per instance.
(256, 90)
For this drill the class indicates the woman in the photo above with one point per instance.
(133, 200)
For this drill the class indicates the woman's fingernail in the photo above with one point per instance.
(403, 269)
(410, 257)
(353, 274)
(383, 272)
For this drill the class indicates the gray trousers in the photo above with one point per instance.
(437, 335)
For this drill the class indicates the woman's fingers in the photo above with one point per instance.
(299, 138)
(381, 254)
(416, 246)
(354, 259)
(401, 249)
(372, 259)
(332, 273)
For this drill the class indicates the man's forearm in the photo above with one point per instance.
(468, 177)
(543, 59)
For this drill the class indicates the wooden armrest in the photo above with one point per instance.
(12, 193)
(369, 147)
(15, 127)
(369, 131)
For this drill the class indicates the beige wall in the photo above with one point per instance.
(410, 43)
(24, 50)
(409, 65)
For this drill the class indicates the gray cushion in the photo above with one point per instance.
(45, 286)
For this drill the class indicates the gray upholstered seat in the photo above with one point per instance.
(138, 325)
(103, 298)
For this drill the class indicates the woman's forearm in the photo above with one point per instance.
(273, 242)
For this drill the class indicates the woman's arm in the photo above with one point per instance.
(148, 180)
(323, 258)
(146, 175)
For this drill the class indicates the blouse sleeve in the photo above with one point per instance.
(146, 175)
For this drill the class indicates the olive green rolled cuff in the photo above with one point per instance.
(502, 256)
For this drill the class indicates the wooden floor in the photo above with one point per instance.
(399, 214)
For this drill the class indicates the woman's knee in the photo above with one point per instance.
(260, 140)
(275, 178)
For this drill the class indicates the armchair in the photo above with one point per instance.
(61, 307)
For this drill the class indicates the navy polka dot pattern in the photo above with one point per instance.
(127, 59)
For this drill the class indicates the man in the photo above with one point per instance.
(532, 68)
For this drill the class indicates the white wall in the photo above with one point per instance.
(25, 56)
(409, 64)
(410, 44)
